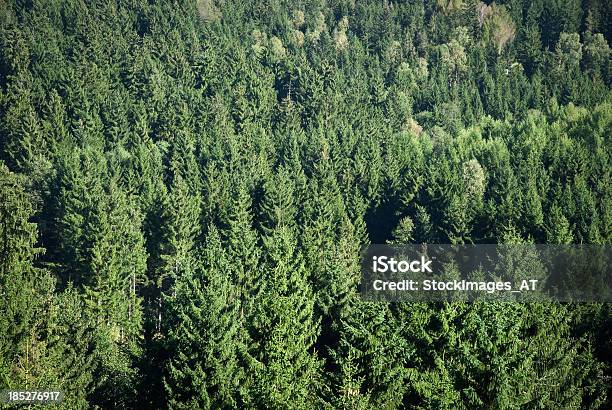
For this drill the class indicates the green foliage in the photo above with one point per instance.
(27, 291)
(46, 338)
(185, 188)
(206, 339)
(284, 369)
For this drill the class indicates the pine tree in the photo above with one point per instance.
(206, 337)
(285, 370)
(116, 262)
(46, 341)
(180, 231)
(243, 251)
(27, 291)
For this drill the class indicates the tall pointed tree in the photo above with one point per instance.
(243, 250)
(285, 370)
(45, 339)
(206, 340)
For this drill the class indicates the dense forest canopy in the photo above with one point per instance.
(185, 187)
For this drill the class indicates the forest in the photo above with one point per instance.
(185, 187)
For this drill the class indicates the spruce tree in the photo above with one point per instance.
(27, 292)
(243, 250)
(285, 370)
(180, 232)
(46, 337)
(371, 358)
(206, 340)
(115, 261)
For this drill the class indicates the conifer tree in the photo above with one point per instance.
(206, 338)
(46, 339)
(371, 357)
(180, 230)
(286, 371)
(116, 264)
(27, 291)
(302, 132)
(243, 250)
(557, 227)
(330, 243)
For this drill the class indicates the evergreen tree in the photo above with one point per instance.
(206, 339)
(116, 264)
(372, 359)
(180, 218)
(243, 251)
(285, 329)
(27, 292)
(46, 339)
